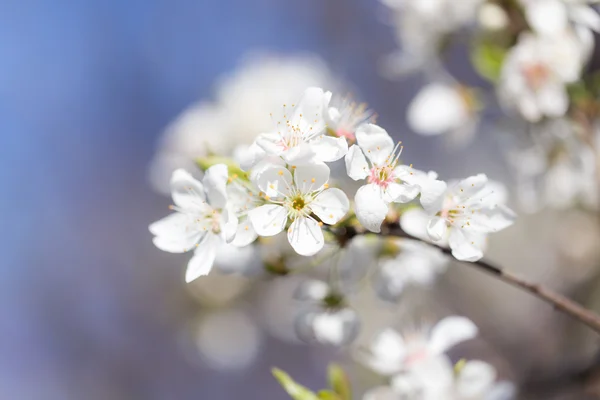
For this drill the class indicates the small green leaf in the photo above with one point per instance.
(339, 382)
(328, 395)
(487, 58)
(295, 390)
(234, 169)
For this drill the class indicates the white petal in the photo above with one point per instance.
(370, 208)
(274, 181)
(311, 177)
(553, 99)
(305, 236)
(401, 193)
(310, 111)
(268, 220)
(356, 163)
(449, 332)
(375, 143)
(229, 224)
(329, 148)
(465, 246)
(215, 184)
(204, 256)
(176, 233)
(388, 352)
(186, 191)
(490, 220)
(414, 222)
(330, 205)
(245, 234)
(432, 195)
(303, 153)
(547, 17)
(380, 393)
(437, 229)
(312, 290)
(586, 16)
(475, 380)
(469, 186)
(270, 142)
(437, 109)
(335, 327)
(249, 156)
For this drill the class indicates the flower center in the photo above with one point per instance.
(381, 176)
(298, 203)
(297, 206)
(535, 75)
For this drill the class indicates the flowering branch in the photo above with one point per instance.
(557, 300)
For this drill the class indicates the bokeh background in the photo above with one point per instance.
(89, 309)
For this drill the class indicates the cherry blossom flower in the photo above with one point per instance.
(553, 17)
(295, 197)
(201, 221)
(298, 134)
(466, 212)
(344, 118)
(391, 352)
(376, 158)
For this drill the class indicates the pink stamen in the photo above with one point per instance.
(381, 176)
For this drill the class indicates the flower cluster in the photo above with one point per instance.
(287, 188)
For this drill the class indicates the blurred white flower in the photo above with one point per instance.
(492, 17)
(552, 17)
(295, 198)
(467, 211)
(259, 85)
(440, 108)
(392, 352)
(536, 71)
(326, 319)
(202, 219)
(228, 339)
(415, 264)
(344, 117)
(438, 379)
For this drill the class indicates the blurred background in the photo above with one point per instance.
(90, 309)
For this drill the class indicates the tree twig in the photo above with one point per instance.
(557, 300)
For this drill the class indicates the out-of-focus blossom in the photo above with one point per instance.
(536, 71)
(344, 117)
(392, 352)
(553, 17)
(326, 318)
(421, 25)
(386, 180)
(228, 339)
(414, 264)
(444, 109)
(202, 219)
(239, 113)
(295, 198)
(492, 17)
(466, 213)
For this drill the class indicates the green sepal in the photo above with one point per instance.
(339, 382)
(328, 395)
(233, 168)
(295, 390)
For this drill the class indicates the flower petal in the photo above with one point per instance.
(305, 236)
(388, 352)
(437, 109)
(311, 177)
(437, 228)
(466, 246)
(204, 256)
(229, 224)
(312, 290)
(245, 233)
(370, 208)
(274, 181)
(401, 192)
(330, 205)
(475, 380)
(268, 220)
(215, 184)
(450, 331)
(310, 111)
(176, 233)
(270, 142)
(356, 163)
(375, 143)
(329, 148)
(186, 191)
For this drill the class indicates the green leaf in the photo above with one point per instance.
(295, 390)
(234, 169)
(487, 58)
(339, 382)
(328, 395)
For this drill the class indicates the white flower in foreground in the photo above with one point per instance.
(376, 159)
(295, 197)
(536, 71)
(415, 263)
(202, 219)
(466, 212)
(298, 135)
(438, 379)
(345, 117)
(327, 320)
(453, 108)
(390, 352)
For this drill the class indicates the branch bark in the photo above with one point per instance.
(557, 300)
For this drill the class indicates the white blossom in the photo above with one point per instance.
(201, 222)
(466, 212)
(553, 17)
(295, 196)
(345, 116)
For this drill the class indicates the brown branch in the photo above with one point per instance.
(557, 300)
